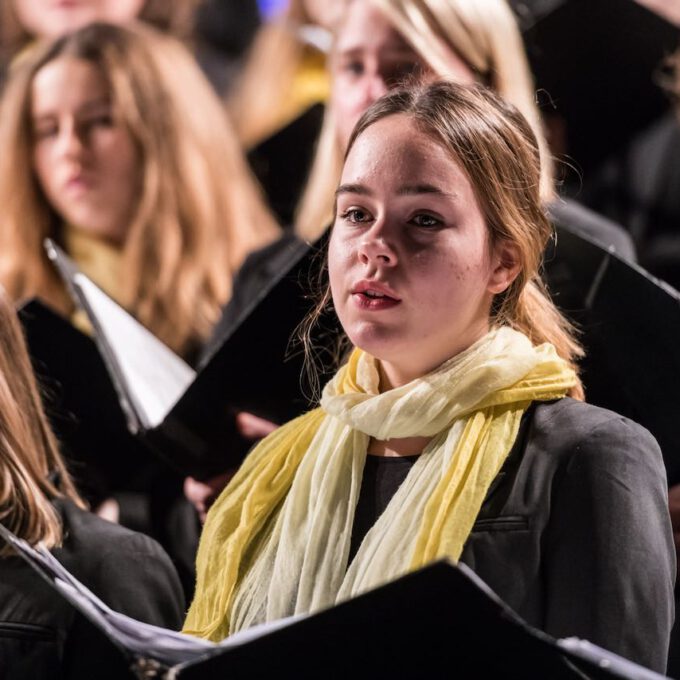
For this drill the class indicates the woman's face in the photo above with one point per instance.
(411, 268)
(51, 18)
(370, 58)
(85, 160)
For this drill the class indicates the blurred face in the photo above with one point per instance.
(85, 160)
(411, 269)
(370, 58)
(51, 18)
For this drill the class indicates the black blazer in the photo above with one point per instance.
(575, 533)
(42, 636)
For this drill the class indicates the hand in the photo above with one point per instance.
(109, 510)
(252, 427)
(203, 494)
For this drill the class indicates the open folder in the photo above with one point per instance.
(186, 415)
(440, 621)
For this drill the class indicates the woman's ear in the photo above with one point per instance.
(506, 264)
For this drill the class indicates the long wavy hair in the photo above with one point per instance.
(497, 148)
(199, 211)
(485, 34)
(30, 463)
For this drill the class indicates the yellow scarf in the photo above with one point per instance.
(276, 542)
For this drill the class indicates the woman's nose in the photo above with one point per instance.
(377, 250)
(71, 141)
(376, 88)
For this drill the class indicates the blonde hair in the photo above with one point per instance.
(497, 149)
(29, 456)
(199, 212)
(485, 35)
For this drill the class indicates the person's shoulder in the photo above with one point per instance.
(571, 428)
(86, 531)
(129, 570)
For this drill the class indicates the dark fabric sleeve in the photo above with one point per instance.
(139, 580)
(610, 561)
(128, 571)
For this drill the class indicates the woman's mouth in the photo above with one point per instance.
(373, 298)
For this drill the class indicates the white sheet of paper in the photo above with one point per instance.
(154, 374)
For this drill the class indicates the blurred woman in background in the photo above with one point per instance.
(115, 145)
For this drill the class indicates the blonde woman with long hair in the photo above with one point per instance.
(455, 429)
(39, 632)
(115, 145)
(379, 43)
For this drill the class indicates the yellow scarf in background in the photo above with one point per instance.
(276, 542)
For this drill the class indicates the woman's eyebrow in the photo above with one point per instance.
(87, 106)
(406, 190)
(414, 189)
(353, 189)
(94, 104)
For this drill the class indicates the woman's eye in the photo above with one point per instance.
(397, 73)
(355, 215)
(355, 68)
(425, 220)
(45, 131)
(104, 120)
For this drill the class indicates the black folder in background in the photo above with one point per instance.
(630, 323)
(251, 369)
(81, 404)
(440, 621)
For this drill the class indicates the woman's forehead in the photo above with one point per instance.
(366, 27)
(396, 149)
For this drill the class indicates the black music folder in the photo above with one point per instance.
(186, 415)
(440, 621)
(81, 404)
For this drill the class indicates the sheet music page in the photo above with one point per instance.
(154, 375)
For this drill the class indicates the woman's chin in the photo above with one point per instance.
(380, 341)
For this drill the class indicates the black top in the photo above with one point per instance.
(382, 477)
